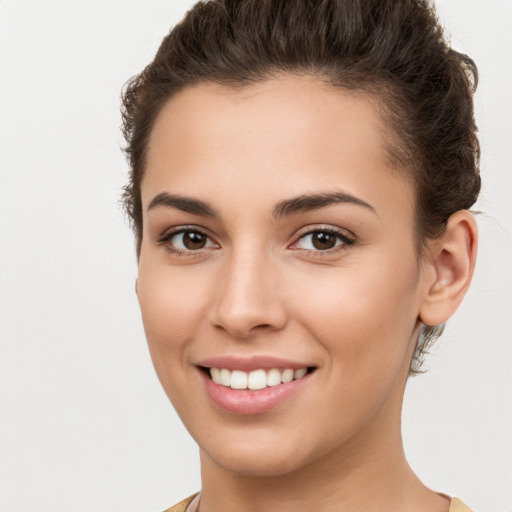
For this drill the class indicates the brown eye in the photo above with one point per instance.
(194, 240)
(323, 240)
(185, 240)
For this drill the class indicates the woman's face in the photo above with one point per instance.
(277, 239)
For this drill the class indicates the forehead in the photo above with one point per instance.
(285, 136)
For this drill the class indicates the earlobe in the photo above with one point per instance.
(452, 259)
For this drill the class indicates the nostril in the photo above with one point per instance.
(242, 330)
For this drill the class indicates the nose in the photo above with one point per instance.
(247, 297)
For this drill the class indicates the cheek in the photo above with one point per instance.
(172, 306)
(363, 314)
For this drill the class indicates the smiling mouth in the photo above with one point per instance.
(256, 379)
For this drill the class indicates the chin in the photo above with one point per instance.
(260, 454)
(257, 463)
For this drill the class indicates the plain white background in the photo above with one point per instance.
(84, 425)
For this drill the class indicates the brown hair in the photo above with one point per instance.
(394, 50)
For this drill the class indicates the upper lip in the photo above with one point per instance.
(249, 364)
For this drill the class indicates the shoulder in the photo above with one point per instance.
(457, 506)
(182, 505)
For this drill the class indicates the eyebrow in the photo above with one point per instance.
(185, 204)
(284, 208)
(310, 202)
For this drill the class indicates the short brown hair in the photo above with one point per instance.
(394, 50)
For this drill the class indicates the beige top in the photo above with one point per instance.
(191, 504)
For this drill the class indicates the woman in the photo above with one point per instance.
(301, 174)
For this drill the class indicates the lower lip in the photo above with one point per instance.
(245, 401)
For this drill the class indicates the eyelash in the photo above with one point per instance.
(166, 238)
(346, 241)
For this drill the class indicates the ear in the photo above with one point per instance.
(136, 283)
(451, 263)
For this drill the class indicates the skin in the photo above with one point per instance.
(259, 287)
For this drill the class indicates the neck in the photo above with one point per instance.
(364, 474)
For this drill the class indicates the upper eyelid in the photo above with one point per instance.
(343, 233)
(182, 229)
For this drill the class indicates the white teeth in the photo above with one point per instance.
(300, 373)
(257, 379)
(287, 375)
(215, 373)
(273, 377)
(238, 379)
(225, 377)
